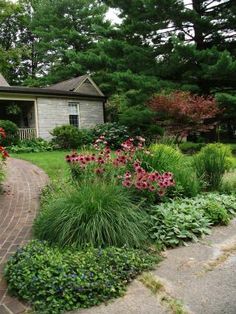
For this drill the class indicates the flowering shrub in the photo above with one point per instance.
(114, 133)
(122, 166)
(3, 152)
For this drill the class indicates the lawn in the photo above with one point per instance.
(53, 163)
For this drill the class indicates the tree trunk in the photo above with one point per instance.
(198, 34)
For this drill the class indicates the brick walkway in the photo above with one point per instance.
(18, 207)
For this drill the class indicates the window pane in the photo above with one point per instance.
(74, 120)
(73, 108)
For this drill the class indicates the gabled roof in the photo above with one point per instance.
(77, 84)
(68, 85)
(3, 81)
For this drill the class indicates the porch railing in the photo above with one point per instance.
(27, 133)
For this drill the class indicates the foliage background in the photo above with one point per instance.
(164, 45)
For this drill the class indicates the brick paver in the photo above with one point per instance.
(18, 206)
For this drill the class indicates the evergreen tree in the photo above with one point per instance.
(66, 30)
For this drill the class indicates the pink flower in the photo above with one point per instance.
(161, 192)
(136, 164)
(152, 188)
(99, 170)
(127, 183)
(127, 175)
(138, 185)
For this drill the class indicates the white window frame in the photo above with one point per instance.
(77, 113)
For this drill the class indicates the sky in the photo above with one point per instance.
(112, 16)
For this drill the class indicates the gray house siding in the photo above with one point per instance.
(54, 112)
(91, 113)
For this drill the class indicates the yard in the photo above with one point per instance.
(108, 213)
(53, 163)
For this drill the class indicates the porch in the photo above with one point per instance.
(22, 113)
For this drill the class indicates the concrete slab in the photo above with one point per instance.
(186, 277)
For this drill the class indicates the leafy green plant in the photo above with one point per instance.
(113, 133)
(167, 158)
(181, 220)
(54, 281)
(69, 137)
(228, 183)
(212, 162)
(177, 222)
(226, 201)
(12, 135)
(31, 146)
(216, 213)
(97, 213)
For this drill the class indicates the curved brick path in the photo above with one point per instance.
(18, 207)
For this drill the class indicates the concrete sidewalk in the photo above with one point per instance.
(199, 279)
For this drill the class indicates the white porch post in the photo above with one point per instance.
(36, 117)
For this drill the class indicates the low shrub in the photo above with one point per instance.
(177, 222)
(212, 162)
(167, 158)
(12, 133)
(97, 214)
(191, 147)
(31, 146)
(70, 137)
(114, 133)
(55, 281)
(228, 183)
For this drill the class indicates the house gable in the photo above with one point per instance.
(88, 86)
(81, 84)
(3, 81)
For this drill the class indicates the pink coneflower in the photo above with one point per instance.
(138, 185)
(161, 192)
(127, 183)
(144, 185)
(152, 188)
(136, 164)
(99, 170)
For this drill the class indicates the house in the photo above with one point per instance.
(77, 101)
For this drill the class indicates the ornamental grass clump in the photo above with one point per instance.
(164, 158)
(211, 163)
(54, 281)
(97, 214)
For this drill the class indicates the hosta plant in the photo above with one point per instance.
(177, 222)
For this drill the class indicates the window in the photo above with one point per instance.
(73, 114)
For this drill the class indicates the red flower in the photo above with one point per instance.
(2, 133)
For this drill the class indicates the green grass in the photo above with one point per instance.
(53, 163)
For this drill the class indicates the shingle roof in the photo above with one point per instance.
(3, 81)
(68, 85)
(45, 91)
